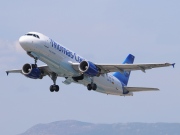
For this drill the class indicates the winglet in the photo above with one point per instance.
(7, 73)
(173, 64)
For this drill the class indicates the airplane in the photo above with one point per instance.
(62, 62)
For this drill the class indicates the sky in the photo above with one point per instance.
(103, 31)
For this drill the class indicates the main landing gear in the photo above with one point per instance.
(54, 87)
(92, 86)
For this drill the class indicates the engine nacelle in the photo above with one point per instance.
(89, 68)
(31, 72)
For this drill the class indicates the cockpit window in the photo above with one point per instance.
(34, 35)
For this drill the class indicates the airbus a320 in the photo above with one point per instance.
(62, 62)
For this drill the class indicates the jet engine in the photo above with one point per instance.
(31, 71)
(89, 68)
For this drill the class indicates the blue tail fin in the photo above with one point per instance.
(124, 77)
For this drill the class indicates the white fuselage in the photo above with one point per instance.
(59, 59)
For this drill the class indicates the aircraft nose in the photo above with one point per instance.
(22, 41)
(25, 43)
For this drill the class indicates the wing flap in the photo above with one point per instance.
(138, 89)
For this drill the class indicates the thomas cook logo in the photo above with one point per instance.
(126, 73)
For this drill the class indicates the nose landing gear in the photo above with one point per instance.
(54, 87)
(53, 75)
(35, 62)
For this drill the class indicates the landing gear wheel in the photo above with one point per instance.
(94, 87)
(57, 88)
(52, 88)
(89, 87)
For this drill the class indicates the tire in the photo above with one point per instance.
(94, 87)
(51, 88)
(89, 87)
(57, 88)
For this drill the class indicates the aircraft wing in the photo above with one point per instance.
(106, 68)
(45, 69)
(137, 89)
(14, 71)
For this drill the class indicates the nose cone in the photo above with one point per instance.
(26, 43)
(22, 41)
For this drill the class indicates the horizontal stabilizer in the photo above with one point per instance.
(137, 89)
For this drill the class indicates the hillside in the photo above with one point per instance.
(83, 128)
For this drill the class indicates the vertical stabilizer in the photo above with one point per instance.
(124, 77)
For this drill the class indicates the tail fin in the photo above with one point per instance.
(124, 77)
